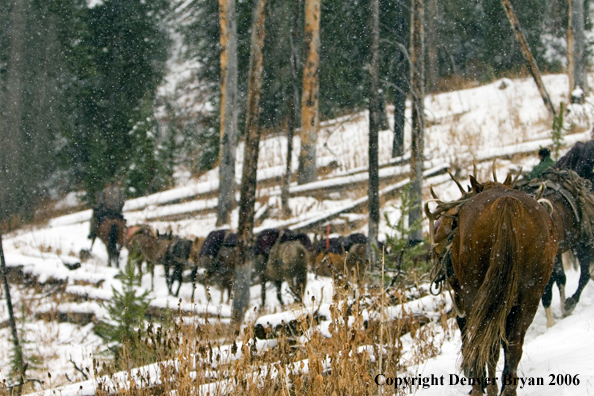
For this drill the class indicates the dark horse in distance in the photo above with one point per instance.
(110, 231)
(502, 251)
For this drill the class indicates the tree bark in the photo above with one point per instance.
(18, 351)
(294, 112)
(247, 199)
(402, 82)
(228, 23)
(374, 126)
(432, 54)
(532, 66)
(309, 100)
(11, 139)
(417, 53)
(570, 48)
(576, 49)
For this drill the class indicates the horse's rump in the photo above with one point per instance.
(503, 241)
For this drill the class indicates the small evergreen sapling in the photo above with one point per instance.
(402, 254)
(557, 131)
(126, 312)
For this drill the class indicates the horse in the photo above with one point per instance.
(343, 255)
(140, 242)
(288, 262)
(111, 232)
(580, 158)
(219, 255)
(569, 220)
(501, 245)
(175, 257)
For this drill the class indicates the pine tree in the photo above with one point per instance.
(398, 244)
(126, 313)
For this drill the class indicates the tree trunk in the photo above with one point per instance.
(247, 199)
(228, 144)
(18, 352)
(532, 66)
(570, 48)
(12, 173)
(309, 100)
(294, 112)
(576, 53)
(374, 125)
(432, 55)
(402, 82)
(417, 52)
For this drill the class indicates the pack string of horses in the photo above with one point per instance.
(497, 250)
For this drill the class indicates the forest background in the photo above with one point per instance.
(80, 103)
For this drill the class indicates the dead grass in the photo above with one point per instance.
(301, 359)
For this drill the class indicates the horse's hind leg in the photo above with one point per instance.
(558, 276)
(516, 326)
(585, 259)
(492, 389)
(279, 296)
(263, 289)
(179, 276)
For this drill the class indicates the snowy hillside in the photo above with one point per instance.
(505, 120)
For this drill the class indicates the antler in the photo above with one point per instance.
(517, 177)
(433, 193)
(457, 183)
(494, 172)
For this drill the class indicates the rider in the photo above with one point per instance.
(110, 203)
(545, 163)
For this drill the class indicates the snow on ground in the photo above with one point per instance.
(565, 349)
(501, 118)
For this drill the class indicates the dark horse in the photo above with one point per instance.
(503, 246)
(286, 261)
(580, 158)
(176, 256)
(573, 215)
(110, 231)
(218, 255)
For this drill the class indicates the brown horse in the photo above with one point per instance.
(503, 246)
(143, 246)
(218, 256)
(288, 262)
(111, 232)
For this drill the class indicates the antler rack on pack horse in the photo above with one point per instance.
(495, 248)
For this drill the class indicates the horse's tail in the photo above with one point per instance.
(485, 324)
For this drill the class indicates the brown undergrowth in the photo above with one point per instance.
(314, 355)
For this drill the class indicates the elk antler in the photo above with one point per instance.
(457, 183)
(517, 177)
(433, 193)
(494, 171)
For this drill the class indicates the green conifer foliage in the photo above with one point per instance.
(125, 329)
(401, 256)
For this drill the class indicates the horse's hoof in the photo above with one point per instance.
(569, 306)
